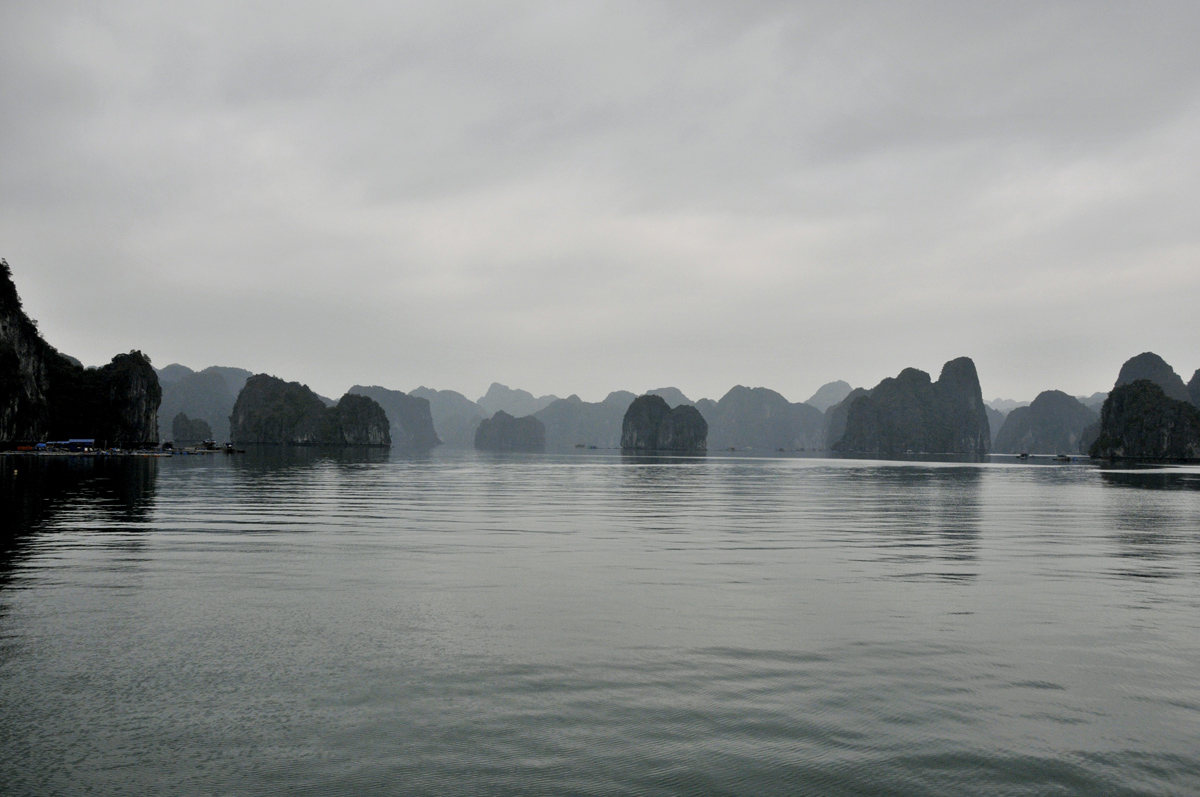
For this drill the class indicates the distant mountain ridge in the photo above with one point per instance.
(517, 403)
(1054, 423)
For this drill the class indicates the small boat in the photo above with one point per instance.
(1062, 458)
(1022, 455)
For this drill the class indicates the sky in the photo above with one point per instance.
(573, 197)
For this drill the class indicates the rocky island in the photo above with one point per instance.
(46, 395)
(651, 425)
(1140, 421)
(503, 432)
(1055, 423)
(911, 413)
(410, 417)
(270, 410)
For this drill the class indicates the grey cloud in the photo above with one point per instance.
(575, 198)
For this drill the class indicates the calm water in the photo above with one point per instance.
(466, 624)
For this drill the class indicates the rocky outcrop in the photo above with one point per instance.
(573, 422)
(1140, 421)
(517, 403)
(761, 419)
(651, 425)
(410, 417)
(829, 394)
(1053, 424)
(46, 395)
(672, 395)
(1150, 366)
(455, 417)
(503, 432)
(910, 413)
(355, 421)
(270, 410)
(1194, 389)
(189, 430)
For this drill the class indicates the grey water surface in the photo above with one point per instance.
(327, 623)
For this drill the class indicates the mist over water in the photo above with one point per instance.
(316, 622)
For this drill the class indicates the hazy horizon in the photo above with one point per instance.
(581, 199)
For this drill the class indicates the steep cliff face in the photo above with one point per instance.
(270, 410)
(761, 419)
(1140, 421)
(651, 425)
(1194, 389)
(133, 395)
(455, 417)
(836, 415)
(46, 395)
(356, 421)
(829, 394)
(1053, 424)
(410, 417)
(1149, 365)
(912, 413)
(503, 432)
(23, 377)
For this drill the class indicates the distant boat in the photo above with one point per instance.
(1062, 458)
(1022, 455)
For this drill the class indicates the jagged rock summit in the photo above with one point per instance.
(651, 425)
(910, 413)
(1149, 365)
(270, 410)
(1140, 421)
(1054, 423)
(517, 403)
(503, 432)
(455, 417)
(829, 394)
(46, 395)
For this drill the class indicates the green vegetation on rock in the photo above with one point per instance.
(270, 410)
(1140, 421)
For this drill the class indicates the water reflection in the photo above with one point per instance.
(1152, 524)
(35, 490)
(1153, 478)
(270, 458)
(930, 515)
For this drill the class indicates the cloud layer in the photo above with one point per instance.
(589, 197)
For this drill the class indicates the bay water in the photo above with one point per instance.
(308, 622)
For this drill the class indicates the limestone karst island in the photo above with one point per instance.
(52, 404)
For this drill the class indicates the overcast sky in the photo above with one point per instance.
(578, 197)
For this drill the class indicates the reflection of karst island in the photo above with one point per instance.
(50, 401)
